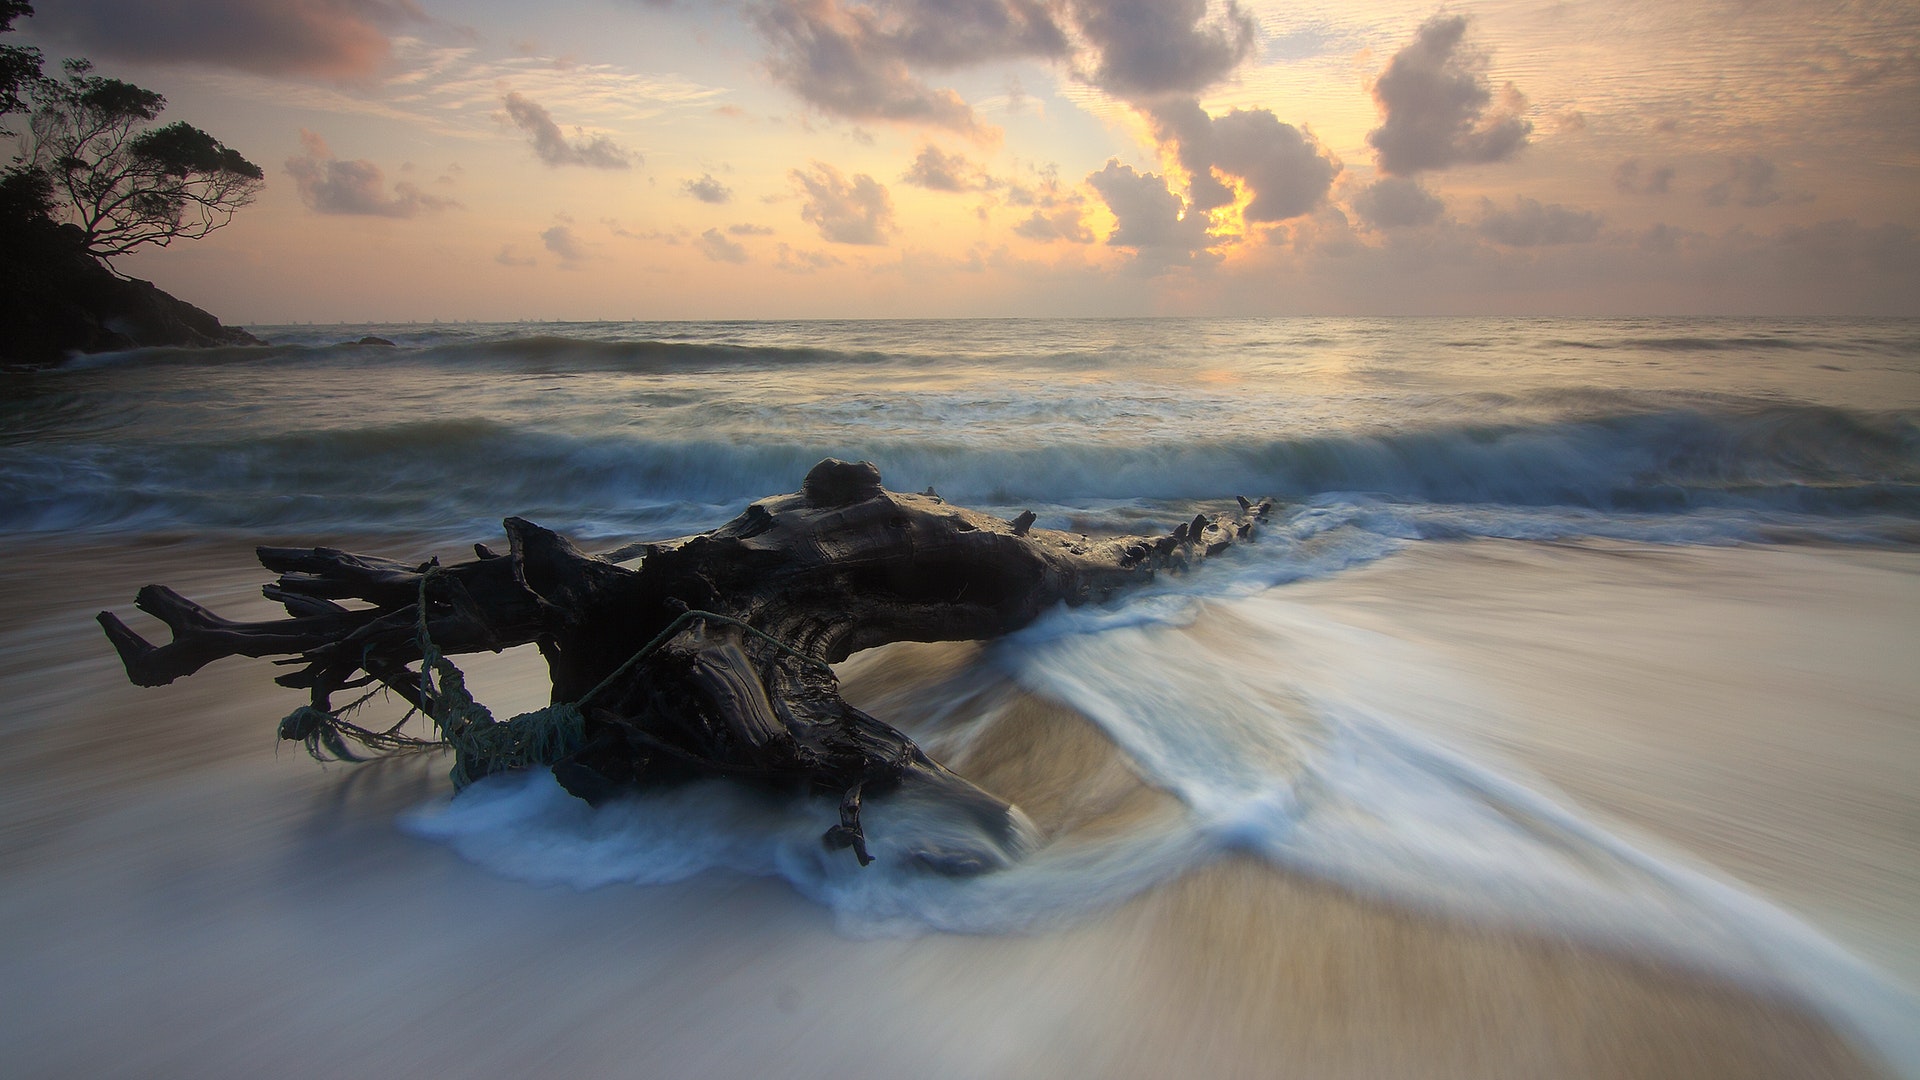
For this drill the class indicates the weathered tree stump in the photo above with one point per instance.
(708, 659)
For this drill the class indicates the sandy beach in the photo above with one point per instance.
(187, 900)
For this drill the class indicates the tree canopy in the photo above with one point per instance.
(126, 185)
(19, 64)
(91, 159)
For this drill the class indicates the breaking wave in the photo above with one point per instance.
(455, 473)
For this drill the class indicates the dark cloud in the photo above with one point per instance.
(1631, 178)
(857, 61)
(1438, 108)
(1148, 217)
(1529, 223)
(708, 190)
(747, 229)
(1396, 203)
(869, 59)
(1152, 48)
(510, 256)
(327, 38)
(949, 34)
(714, 245)
(1061, 223)
(1751, 181)
(937, 170)
(1282, 166)
(552, 145)
(571, 250)
(331, 186)
(856, 211)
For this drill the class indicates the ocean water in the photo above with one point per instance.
(1267, 726)
(1660, 429)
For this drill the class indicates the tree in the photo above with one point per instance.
(19, 64)
(125, 185)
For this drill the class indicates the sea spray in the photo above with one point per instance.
(1251, 714)
(1272, 726)
(527, 827)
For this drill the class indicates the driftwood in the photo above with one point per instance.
(708, 659)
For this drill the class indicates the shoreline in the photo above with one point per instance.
(228, 909)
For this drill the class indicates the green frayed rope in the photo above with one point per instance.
(482, 745)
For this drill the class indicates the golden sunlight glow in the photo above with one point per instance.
(662, 180)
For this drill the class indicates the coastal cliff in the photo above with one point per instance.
(57, 300)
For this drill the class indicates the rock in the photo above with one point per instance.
(57, 300)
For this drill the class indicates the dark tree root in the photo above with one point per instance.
(741, 687)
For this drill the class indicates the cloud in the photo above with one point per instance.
(1529, 223)
(331, 186)
(708, 190)
(325, 38)
(869, 59)
(571, 250)
(1663, 238)
(795, 261)
(1151, 48)
(1149, 217)
(1395, 203)
(1057, 214)
(510, 256)
(1045, 191)
(1284, 168)
(717, 247)
(1751, 181)
(936, 170)
(856, 211)
(1630, 179)
(747, 229)
(1834, 266)
(1438, 108)
(858, 62)
(1062, 223)
(552, 145)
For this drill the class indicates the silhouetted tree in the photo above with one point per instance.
(19, 64)
(125, 185)
(26, 195)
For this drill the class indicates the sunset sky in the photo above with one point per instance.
(664, 159)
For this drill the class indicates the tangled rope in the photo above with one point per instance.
(482, 745)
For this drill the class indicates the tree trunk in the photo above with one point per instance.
(708, 659)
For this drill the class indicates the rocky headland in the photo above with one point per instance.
(57, 300)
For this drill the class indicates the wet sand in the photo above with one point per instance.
(185, 900)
